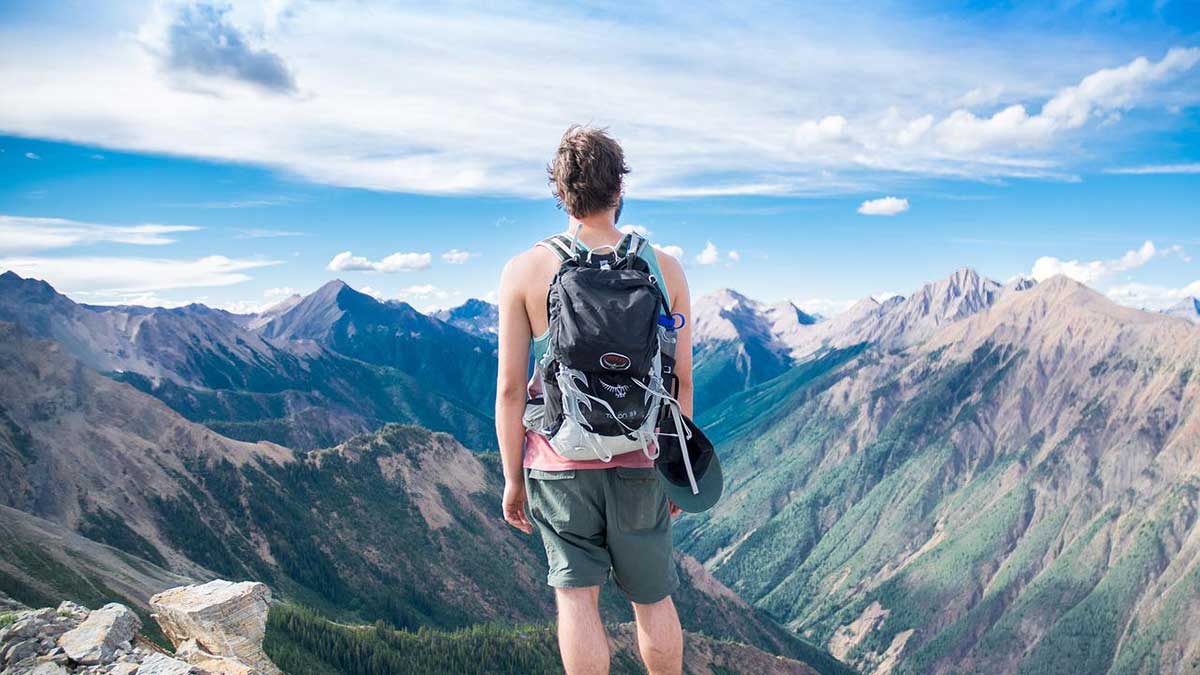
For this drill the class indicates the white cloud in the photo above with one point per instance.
(32, 155)
(1106, 91)
(828, 129)
(116, 276)
(275, 294)
(710, 255)
(671, 250)
(884, 206)
(346, 261)
(1151, 296)
(457, 256)
(1151, 169)
(28, 234)
(1095, 271)
(451, 113)
(826, 307)
(641, 230)
(419, 291)
(734, 256)
(367, 290)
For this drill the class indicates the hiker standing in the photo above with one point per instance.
(606, 315)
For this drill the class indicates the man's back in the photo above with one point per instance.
(598, 518)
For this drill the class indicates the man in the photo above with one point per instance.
(597, 519)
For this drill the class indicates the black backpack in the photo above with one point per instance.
(607, 373)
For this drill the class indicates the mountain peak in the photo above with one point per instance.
(1188, 308)
(727, 298)
(10, 276)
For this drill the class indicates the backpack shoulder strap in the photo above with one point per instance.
(631, 244)
(560, 245)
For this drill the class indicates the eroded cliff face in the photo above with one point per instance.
(1018, 490)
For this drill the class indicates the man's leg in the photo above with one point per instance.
(581, 637)
(660, 639)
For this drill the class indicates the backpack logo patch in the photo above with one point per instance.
(615, 361)
(617, 390)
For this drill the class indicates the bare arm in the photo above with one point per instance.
(514, 334)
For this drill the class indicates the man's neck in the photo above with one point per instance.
(597, 230)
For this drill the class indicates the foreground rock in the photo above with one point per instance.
(217, 622)
(217, 629)
(98, 638)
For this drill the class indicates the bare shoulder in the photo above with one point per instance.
(528, 262)
(671, 268)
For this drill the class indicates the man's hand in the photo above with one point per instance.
(675, 510)
(514, 506)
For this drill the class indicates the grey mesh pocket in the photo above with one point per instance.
(535, 416)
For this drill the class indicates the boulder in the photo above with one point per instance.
(210, 664)
(161, 664)
(98, 637)
(48, 669)
(222, 617)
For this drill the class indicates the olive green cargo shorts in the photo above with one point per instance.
(601, 522)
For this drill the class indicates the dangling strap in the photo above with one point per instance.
(683, 432)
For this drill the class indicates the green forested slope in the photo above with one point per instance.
(1018, 494)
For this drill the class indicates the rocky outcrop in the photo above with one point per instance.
(98, 637)
(217, 629)
(217, 619)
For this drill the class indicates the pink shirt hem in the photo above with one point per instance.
(541, 456)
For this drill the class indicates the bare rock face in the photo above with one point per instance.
(98, 638)
(161, 664)
(210, 664)
(223, 618)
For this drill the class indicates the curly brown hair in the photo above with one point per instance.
(587, 172)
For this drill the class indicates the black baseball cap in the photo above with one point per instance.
(706, 468)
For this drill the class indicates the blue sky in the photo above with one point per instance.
(167, 152)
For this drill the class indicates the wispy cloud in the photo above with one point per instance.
(461, 122)
(116, 277)
(32, 155)
(261, 233)
(248, 203)
(23, 234)
(346, 261)
(1152, 169)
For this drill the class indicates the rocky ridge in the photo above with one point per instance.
(216, 629)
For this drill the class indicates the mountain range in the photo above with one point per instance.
(975, 477)
(307, 374)
(397, 525)
(972, 479)
(740, 343)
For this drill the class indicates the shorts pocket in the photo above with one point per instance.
(551, 496)
(641, 500)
